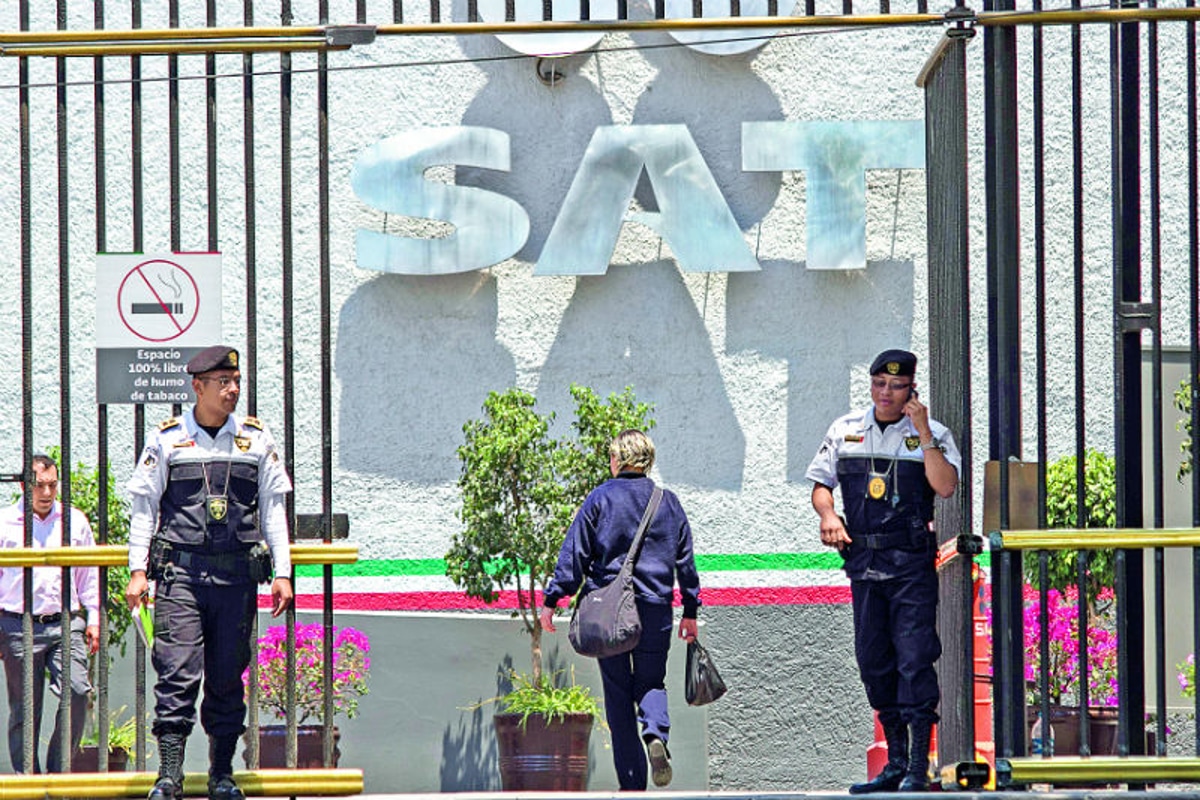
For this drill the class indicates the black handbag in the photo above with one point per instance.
(702, 682)
(606, 621)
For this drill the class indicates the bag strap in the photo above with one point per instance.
(635, 547)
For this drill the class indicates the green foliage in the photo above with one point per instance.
(85, 495)
(122, 733)
(1183, 402)
(520, 490)
(1062, 511)
(543, 697)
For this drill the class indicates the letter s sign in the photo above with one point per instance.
(389, 176)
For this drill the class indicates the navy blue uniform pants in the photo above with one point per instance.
(201, 631)
(635, 695)
(896, 645)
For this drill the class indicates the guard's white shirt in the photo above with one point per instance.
(47, 581)
(857, 434)
(188, 441)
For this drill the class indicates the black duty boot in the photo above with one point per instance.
(169, 785)
(917, 779)
(888, 780)
(220, 770)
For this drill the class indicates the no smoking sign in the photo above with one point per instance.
(158, 300)
(153, 313)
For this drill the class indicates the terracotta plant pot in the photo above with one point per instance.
(543, 756)
(1102, 730)
(87, 759)
(272, 747)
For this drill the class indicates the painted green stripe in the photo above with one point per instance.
(746, 562)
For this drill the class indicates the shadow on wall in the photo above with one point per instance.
(801, 315)
(547, 125)
(469, 756)
(638, 325)
(414, 356)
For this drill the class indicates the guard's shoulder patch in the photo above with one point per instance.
(253, 422)
(167, 424)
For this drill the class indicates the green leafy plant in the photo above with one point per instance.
(85, 495)
(547, 699)
(520, 489)
(122, 732)
(1183, 402)
(1100, 494)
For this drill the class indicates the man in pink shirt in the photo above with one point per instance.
(47, 617)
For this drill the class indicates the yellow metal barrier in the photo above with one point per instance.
(117, 555)
(1095, 538)
(255, 783)
(1096, 769)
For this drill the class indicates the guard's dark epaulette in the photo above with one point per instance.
(167, 424)
(253, 422)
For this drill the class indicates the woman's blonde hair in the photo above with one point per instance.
(634, 449)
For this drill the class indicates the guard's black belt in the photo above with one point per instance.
(215, 562)
(41, 619)
(904, 538)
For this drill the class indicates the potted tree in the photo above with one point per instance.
(122, 741)
(520, 489)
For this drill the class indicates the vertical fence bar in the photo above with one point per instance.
(210, 131)
(64, 385)
(1003, 279)
(1128, 395)
(101, 179)
(251, 200)
(26, 383)
(326, 386)
(250, 361)
(289, 446)
(1156, 383)
(139, 410)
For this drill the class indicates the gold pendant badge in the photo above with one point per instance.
(217, 508)
(243, 443)
(876, 488)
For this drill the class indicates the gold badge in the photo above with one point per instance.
(912, 442)
(167, 424)
(876, 488)
(243, 443)
(217, 508)
(893, 367)
(233, 358)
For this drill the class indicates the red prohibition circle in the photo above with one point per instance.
(181, 327)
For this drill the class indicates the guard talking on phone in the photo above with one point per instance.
(889, 460)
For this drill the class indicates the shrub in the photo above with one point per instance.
(351, 665)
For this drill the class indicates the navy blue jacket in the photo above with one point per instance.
(598, 542)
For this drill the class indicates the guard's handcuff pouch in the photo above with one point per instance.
(260, 564)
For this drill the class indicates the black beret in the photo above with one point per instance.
(216, 357)
(894, 362)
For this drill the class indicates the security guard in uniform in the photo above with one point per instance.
(208, 490)
(889, 461)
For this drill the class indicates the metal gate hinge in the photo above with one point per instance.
(961, 22)
(1137, 316)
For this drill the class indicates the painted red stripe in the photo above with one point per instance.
(457, 601)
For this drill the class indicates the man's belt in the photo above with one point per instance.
(212, 562)
(40, 619)
(885, 541)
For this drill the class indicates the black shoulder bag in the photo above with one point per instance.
(606, 621)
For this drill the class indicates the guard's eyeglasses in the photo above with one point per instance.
(881, 384)
(224, 381)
